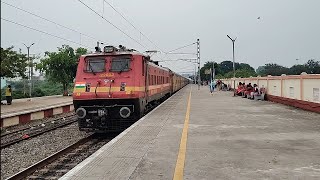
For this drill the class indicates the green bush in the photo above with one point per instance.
(38, 93)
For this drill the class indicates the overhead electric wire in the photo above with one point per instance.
(181, 47)
(187, 60)
(111, 24)
(184, 53)
(13, 22)
(132, 24)
(58, 24)
(144, 34)
(135, 28)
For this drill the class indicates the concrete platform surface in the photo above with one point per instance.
(27, 105)
(226, 138)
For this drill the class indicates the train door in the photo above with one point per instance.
(171, 81)
(146, 72)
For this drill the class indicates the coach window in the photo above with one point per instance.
(119, 64)
(95, 64)
(151, 79)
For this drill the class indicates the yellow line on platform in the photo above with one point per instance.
(178, 173)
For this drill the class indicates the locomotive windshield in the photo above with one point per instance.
(95, 65)
(120, 64)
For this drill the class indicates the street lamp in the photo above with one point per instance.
(234, 69)
(30, 68)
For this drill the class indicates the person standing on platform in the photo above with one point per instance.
(9, 95)
(211, 86)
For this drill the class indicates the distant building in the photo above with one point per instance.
(3, 82)
(14, 79)
(38, 78)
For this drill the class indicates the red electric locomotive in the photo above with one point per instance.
(115, 87)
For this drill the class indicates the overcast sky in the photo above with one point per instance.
(287, 29)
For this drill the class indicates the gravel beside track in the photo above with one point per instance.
(9, 138)
(66, 162)
(33, 123)
(24, 154)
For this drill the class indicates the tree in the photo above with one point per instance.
(61, 66)
(13, 64)
(207, 65)
(297, 69)
(313, 67)
(272, 69)
(245, 66)
(242, 73)
(225, 67)
(261, 71)
(225, 70)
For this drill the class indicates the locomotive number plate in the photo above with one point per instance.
(107, 75)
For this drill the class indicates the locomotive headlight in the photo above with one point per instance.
(81, 112)
(125, 112)
(108, 49)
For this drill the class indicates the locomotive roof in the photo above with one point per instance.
(115, 53)
(127, 53)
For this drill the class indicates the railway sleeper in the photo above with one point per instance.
(66, 164)
(48, 172)
(42, 177)
(61, 165)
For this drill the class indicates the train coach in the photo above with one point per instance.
(116, 86)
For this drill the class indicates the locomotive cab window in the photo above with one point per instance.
(120, 64)
(95, 65)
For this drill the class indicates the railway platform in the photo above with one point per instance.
(28, 109)
(194, 135)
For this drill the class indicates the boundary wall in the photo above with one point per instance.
(16, 118)
(302, 91)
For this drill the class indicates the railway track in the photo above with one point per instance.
(16, 136)
(59, 163)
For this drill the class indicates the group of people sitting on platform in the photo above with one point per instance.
(217, 84)
(249, 91)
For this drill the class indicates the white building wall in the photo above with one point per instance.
(304, 87)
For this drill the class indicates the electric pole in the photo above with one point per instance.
(213, 72)
(234, 68)
(198, 60)
(195, 74)
(30, 69)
